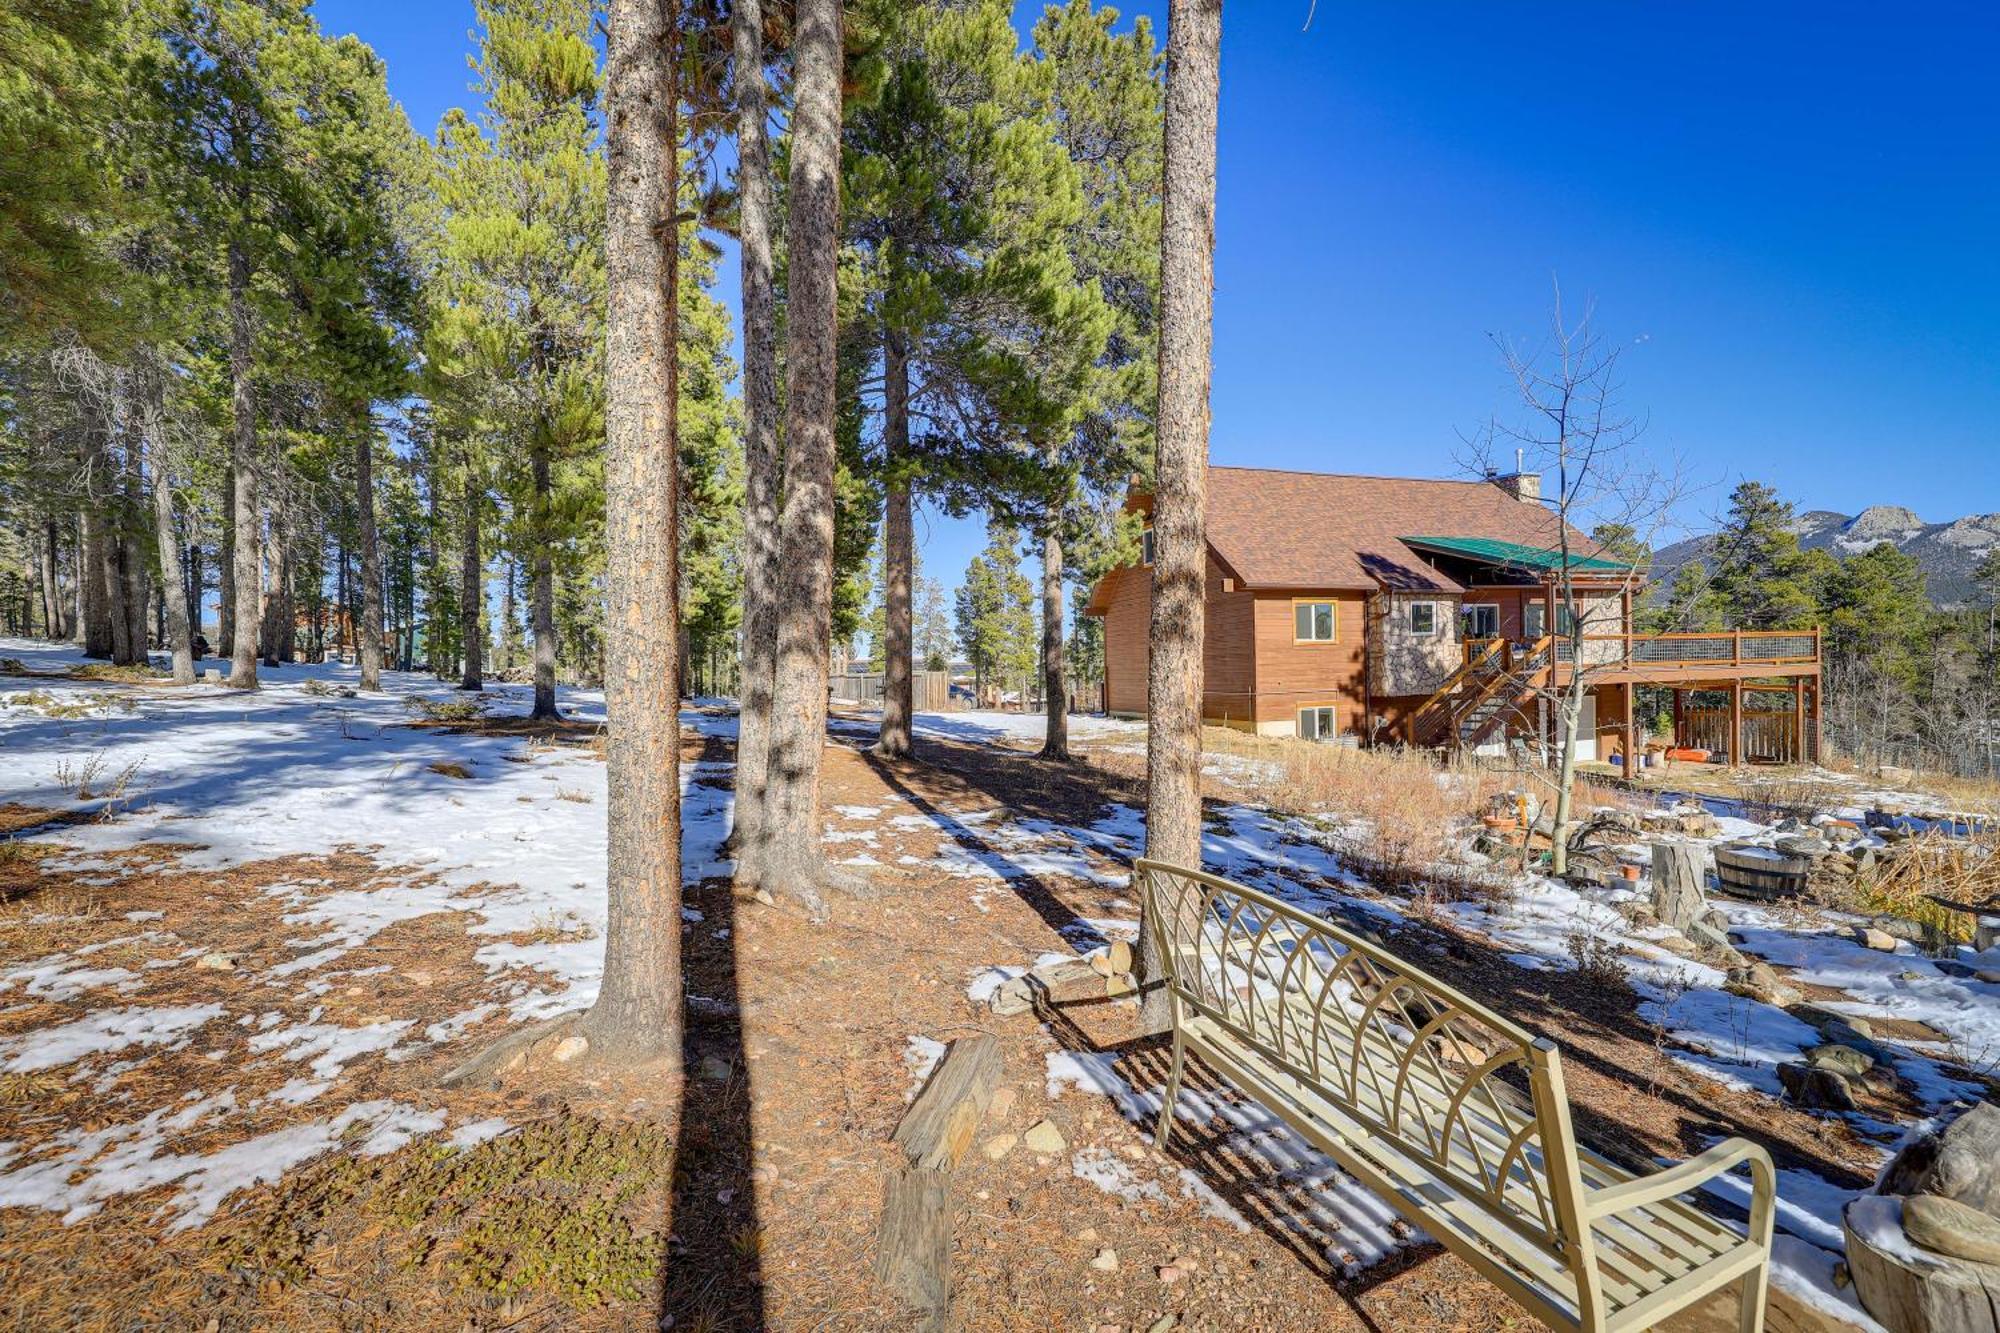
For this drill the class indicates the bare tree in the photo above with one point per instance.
(763, 483)
(637, 1015)
(1180, 487)
(1569, 428)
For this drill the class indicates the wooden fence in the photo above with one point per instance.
(930, 691)
(1770, 736)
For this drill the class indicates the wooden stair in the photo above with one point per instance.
(1494, 684)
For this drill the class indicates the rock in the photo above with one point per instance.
(217, 962)
(1960, 1161)
(1815, 1088)
(1911, 1289)
(1714, 945)
(714, 1068)
(1043, 1137)
(1106, 1259)
(1758, 980)
(1809, 845)
(1870, 937)
(1843, 1060)
(1001, 1104)
(1950, 1227)
(1170, 1273)
(570, 1048)
(1835, 1027)
(1989, 975)
(999, 1146)
(1164, 1324)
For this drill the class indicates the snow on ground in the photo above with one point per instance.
(520, 847)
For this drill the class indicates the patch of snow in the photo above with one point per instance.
(102, 1031)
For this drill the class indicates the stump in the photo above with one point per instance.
(1678, 878)
(1909, 1289)
(913, 1243)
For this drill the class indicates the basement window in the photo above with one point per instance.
(1314, 622)
(1423, 617)
(1316, 724)
(1146, 547)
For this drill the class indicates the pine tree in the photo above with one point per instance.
(933, 625)
(958, 211)
(994, 613)
(1764, 580)
(1180, 481)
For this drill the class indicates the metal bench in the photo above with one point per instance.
(1455, 1116)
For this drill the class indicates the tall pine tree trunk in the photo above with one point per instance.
(542, 583)
(280, 620)
(225, 570)
(52, 608)
(794, 860)
(764, 467)
(131, 559)
(191, 577)
(371, 555)
(1055, 670)
(246, 564)
(638, 1010)
(180, 635)
(79, 628)
(1180, 489)
(898, 555)
(471, 589)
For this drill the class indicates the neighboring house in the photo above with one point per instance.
(1393, 609)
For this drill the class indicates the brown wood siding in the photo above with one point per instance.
(1127, 596)
(1290, 676)
(1227, 664)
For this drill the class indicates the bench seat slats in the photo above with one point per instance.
(1398, 1077)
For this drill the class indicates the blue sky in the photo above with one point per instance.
(1790, 213)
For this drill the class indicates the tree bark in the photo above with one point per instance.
(246, 563)
(1055, 669)
(280, 623)
(52, 608)
(131, 560)
(794, 860)
(638, 1010)
(225, 570)
(898, 555)
(1180, 490)
(371, 555)
(542, 585)
(471, 586)
(180, 635)
(763, 485)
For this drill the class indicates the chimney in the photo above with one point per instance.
(1520, 484)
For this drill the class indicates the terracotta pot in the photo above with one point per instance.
(1631, 871)
(1497, 822)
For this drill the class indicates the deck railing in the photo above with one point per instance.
(1728, 648)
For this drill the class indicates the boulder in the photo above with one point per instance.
(1946, 1226)
(1043, 1137)
(1815, 1087)
(1960, 1161)
(1843, 1060)
(1714, 945)
(1809, 845)
(1871, 938)
(1757, 980)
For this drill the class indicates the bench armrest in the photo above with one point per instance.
(1669, 1181)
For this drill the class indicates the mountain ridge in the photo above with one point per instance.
(1947, 552)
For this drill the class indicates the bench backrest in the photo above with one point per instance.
(1476, 1099)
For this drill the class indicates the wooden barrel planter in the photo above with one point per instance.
(1760, 872)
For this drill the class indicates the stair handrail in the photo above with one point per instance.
(1531, 664)
(1420, 725)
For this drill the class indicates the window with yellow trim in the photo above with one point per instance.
(1313, 622)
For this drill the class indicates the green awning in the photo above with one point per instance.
(1512, 555)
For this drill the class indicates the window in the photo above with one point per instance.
(1423, 617)
(1535, 621)
(1482, 621)
(1314, 622)
(1316, 724)
(1146, 546)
